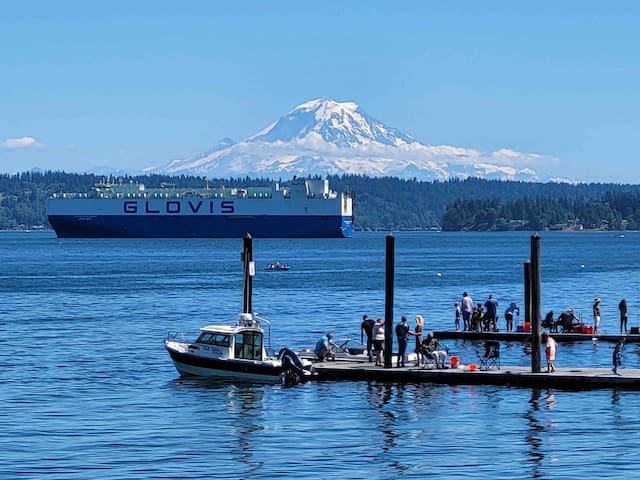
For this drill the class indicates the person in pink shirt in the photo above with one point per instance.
(550, 351)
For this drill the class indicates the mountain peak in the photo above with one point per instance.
(324, 136)
(343, 124)
(324, 108)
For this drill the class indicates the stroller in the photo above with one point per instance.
(490, 358)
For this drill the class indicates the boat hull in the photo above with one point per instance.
(195, 365)
(165, 226)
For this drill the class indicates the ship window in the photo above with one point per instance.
(248, 346)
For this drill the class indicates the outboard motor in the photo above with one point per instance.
(292, 366)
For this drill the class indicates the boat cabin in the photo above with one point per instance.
(244, 341)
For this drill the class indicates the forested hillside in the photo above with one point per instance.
(387, 203)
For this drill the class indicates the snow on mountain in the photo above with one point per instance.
(328, 137)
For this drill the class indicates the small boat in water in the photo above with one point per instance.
(277, 267)
(236, 352)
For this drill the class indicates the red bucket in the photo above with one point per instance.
(455, 361)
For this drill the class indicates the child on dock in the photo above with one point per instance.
(617, 355)
(458, 316)
(550, 351)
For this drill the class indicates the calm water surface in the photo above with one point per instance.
(88, 392)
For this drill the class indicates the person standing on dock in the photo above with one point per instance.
(596, 316)
(378, 340)
(617, 355)
(402, 332)
(550, 351)
(467, 310)
(458, 316)
(622, 306)
(366, 328)
(491, 314)
(418, 334)
(508, 315)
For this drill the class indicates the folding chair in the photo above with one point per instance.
(433, 353)
(490, 358)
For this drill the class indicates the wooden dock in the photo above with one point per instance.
(562, 378)
(522, 336)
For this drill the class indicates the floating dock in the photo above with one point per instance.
(508, 376)
(523, 336)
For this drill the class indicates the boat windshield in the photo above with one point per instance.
(218, 339)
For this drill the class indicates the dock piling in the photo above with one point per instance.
(527, 293)
(535, 303)
(388, 299)
(247, 258)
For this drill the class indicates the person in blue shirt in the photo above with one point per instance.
(323, 347)
(491, 314)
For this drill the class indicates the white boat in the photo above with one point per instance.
(236, 352)
(277, 267)
(350, 350)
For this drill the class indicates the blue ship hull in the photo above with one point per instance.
(221, 226)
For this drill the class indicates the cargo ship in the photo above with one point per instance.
(306, 208)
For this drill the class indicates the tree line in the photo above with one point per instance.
(384, 203)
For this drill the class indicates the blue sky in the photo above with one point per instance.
(134, 84)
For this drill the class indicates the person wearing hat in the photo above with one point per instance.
(596, 315)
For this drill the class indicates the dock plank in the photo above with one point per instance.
(562, 378)
(522, 336)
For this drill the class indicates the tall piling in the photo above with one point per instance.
(388, 300)
(247, 258)
(527, 293)
(535, 303)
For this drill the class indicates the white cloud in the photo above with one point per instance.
(22, 142)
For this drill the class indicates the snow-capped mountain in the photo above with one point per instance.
(328, 137)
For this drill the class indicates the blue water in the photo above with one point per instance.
(88, 392)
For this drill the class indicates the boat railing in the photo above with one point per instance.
(176, 337)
